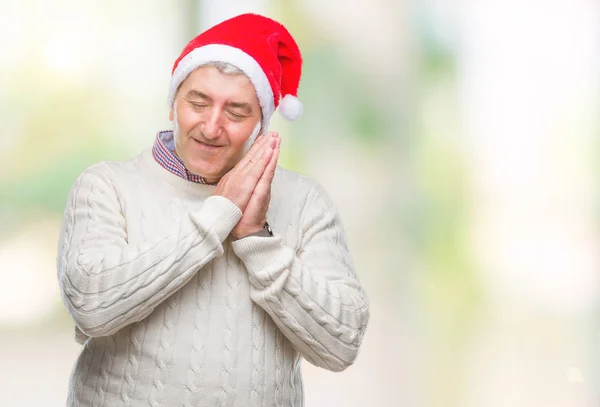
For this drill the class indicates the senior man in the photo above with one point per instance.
(200, 273)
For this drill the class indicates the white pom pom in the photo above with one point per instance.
(290, 108)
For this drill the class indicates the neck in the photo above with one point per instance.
(210, 181)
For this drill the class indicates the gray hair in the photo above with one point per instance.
(224, 67)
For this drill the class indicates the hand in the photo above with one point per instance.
(239, 183)
(254, 216)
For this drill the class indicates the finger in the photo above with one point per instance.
(256, 150)
(262, 162)
(269, 172)
(257, 163)
(264, 183)
(261, 194)
(246, 178)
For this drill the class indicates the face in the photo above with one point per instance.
(214, 116)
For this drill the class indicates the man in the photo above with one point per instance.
(199, 273)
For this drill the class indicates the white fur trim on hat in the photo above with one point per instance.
(290, 108)
(225, 53)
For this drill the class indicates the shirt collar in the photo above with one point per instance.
(164, 154)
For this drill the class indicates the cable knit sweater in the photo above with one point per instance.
(172, 312)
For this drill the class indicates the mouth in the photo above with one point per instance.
(205, 146)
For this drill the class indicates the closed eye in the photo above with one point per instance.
(236, 116)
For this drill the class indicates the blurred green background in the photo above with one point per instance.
(459, 141)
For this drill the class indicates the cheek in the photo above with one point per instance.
(242, 136)
(186, 120)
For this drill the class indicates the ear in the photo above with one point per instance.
(171, 116)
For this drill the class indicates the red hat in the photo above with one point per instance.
(262, 48)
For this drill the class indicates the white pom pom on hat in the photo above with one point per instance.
(290, 108)
(259, 46)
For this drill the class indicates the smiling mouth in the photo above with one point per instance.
(207, 146)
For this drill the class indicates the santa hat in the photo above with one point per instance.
(262, 48)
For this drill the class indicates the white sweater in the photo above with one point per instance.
(173, 312)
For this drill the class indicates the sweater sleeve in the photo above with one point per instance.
(106, 282)
(312, 294)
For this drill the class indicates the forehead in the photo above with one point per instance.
(219, 86)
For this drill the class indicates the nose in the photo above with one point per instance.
(211, 126)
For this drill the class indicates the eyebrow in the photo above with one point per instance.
(196, 94)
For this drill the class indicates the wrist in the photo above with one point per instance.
(264, 231)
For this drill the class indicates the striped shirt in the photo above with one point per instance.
(164, 153)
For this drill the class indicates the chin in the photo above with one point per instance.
(205, 170)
